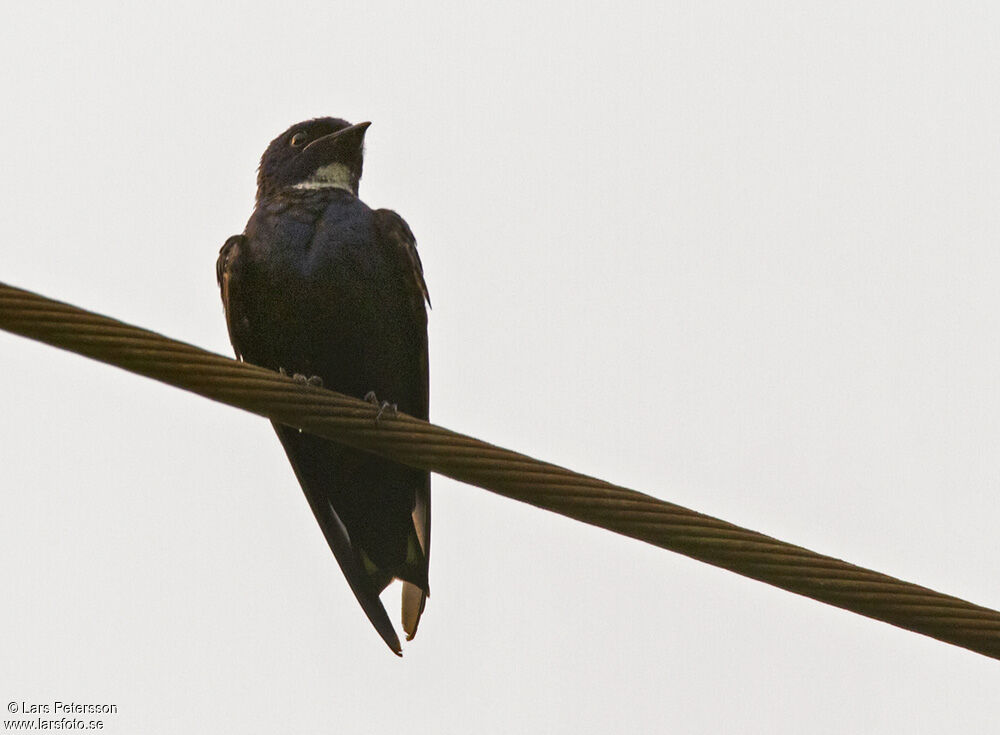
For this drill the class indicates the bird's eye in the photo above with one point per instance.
(298, 139)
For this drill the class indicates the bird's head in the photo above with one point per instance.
(326, 152)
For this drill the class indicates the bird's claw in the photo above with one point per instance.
(301, 379)
(381, 406)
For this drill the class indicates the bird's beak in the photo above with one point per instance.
(329, 145)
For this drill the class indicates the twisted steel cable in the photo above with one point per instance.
(420, 444)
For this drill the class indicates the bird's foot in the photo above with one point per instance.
(381, 406)
(301, 379)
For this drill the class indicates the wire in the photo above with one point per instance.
(417, 443)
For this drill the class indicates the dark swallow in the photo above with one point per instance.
(321, 285)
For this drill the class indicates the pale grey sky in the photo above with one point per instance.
(741, 256)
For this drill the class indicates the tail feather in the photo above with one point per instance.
(366, 587)
(368, 571)
(366, 581)
(414, 600)
(415, 595)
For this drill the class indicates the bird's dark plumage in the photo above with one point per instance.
(321, 285)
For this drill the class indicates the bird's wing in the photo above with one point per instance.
(396, 236)
(227, 273)
(394, 232)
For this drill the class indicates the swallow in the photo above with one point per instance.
(320, 285)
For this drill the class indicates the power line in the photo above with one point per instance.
(517, 476)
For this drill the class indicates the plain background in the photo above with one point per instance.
(742, 256)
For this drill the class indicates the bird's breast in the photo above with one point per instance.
(317, 277)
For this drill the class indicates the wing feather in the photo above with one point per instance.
(396, 235)
(227, 274)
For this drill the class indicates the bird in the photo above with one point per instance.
(322, 287)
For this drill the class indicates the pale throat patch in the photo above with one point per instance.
(331, 176)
